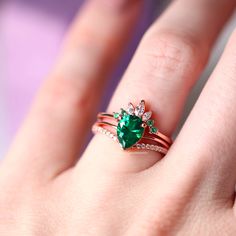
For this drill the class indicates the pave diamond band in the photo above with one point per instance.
(138, 146)
(133, 128)
(153, 138)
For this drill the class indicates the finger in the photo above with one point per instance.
(209, 134)
(168, 62)
(57, 124)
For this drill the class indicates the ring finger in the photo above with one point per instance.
(168, 61)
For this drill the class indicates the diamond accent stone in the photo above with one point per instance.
(139, 110)
(130, 109)
(147, 115)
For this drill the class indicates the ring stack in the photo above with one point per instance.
(133, 129)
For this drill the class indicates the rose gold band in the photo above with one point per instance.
(155, 137)
(133, 128)
(139, 146)
(156, 142)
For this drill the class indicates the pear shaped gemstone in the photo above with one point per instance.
(129, 130)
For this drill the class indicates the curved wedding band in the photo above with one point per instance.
(133, 129)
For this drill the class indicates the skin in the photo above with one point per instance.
(48, 189)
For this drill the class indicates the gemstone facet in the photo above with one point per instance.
(129, 130)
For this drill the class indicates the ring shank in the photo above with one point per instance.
(139, 146)
(102, 115)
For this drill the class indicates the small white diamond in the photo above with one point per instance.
(143, 146)
(148, 146)
(139, 110)
(130, 109)
(147, 116)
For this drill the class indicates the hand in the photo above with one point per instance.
(47, 190)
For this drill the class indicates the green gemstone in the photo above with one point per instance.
(129, 130)
(123, 112)
(116, 115)
(150, 123)
(153, 130)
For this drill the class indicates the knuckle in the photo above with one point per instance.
(167, 53)
(159, 220)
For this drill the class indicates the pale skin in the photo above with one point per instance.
(49, 188)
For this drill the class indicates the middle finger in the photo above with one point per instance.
(169, 60)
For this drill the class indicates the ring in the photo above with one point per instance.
(133, 129)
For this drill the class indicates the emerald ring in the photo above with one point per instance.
(133, 128)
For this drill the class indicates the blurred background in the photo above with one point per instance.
(31, 33)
